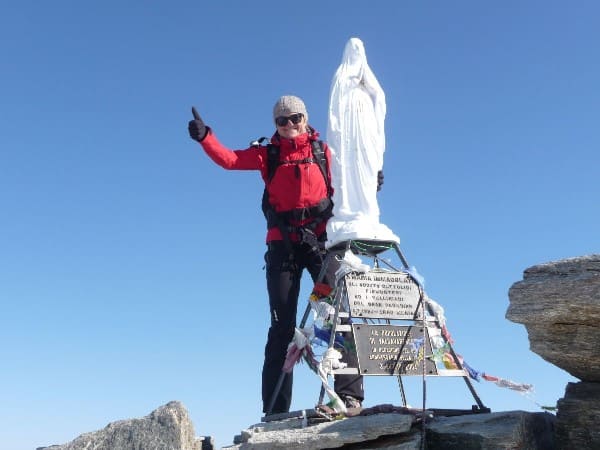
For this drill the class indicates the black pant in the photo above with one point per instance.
(283, 285)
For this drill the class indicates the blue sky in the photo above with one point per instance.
(131, 265)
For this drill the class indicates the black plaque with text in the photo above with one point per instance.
(393, 350)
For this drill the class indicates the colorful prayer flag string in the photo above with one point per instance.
(325, 336)
(416, 276)
(443, 355)
(501, 382)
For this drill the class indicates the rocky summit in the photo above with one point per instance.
(559, 304)
(167, 428)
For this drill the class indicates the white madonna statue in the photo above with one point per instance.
(356, 138)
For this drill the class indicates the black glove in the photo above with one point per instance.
(196, 127)
(379, 180)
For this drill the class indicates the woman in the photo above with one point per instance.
(298, 207)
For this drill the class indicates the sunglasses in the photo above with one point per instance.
(282, 121)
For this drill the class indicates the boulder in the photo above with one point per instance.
(392, 431)
(559, 304)
(293, 435)
(166, 428)
(513, 429)
(578, 417)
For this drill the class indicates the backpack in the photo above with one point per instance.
(322, 211)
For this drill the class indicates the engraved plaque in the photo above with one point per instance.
(393, 350)
(382, 295)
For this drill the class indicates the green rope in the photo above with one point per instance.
(364, 246)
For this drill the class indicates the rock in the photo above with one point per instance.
(559, 304)
(393, 431)
(503, 430)
(578, 417)
(166, 428)
(290, 434)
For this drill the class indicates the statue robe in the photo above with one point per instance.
(356, 138)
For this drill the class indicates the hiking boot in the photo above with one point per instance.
(351, 402)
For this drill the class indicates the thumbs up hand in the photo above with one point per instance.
(196, 127)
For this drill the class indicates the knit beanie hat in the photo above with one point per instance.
(287, 105)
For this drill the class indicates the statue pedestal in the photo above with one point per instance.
(359, 229)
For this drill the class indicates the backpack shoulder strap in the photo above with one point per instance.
(321, 160)
(272, 160)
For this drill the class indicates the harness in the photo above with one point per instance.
(319, 213)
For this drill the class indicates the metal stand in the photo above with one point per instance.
(373, 249)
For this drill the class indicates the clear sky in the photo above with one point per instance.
(131, 266)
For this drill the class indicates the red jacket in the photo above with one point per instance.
(293, 186)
